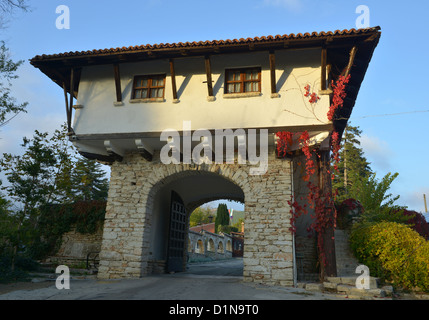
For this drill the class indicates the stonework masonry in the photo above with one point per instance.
(268, 243)
(75, 248)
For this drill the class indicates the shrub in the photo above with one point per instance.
(418, 223)
(394, 252)
(227, 229)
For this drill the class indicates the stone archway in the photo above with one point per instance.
(134, 221)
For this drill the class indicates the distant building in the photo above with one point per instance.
(210, 227)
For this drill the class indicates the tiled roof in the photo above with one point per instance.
(202, 44)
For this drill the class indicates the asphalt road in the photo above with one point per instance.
(219, 280)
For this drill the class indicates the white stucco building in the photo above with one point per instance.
(120, 100)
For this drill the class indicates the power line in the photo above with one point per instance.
(384, 115)
(7, 121)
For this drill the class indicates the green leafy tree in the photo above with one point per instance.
(200, 215)
(45, 174)
(222, 216)
(8, 104)
(378, 203)
(31, 185)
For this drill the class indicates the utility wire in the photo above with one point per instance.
(383, 115)
(7, 121)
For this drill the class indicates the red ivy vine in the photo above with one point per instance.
(319, 200)
(313, 96)
(339, 95)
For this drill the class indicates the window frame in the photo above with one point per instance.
(242, 81)
(150, 87)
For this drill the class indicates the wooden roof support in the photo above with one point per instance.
(117, 82)
(323, 79)
(209, 76)
(351, 61)
(273, 72)
(173, 79)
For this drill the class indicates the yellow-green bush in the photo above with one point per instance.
(394, 252)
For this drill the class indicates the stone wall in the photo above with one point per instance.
(76, 246)
(134, 183)
(346, 261)
(215, 246)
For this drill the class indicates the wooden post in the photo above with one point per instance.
(327, 236)
(117, 83)
(67, 102)
(173, 79)
(426, 207)
(209, 76)
(70, 106)
(323, 64)
(273, 72)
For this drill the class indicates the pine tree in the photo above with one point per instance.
(89, 181)
(352, 166)
(222, 216)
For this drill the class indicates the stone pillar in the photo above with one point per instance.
(268, 246)
(121, 253)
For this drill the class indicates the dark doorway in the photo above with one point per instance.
(176, 241)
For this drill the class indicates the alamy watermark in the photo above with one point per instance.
(63, 20)
(179, 149)
(363, 20)
(363, 281)
(63, 280)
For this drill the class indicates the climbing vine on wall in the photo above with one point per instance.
(321, 201)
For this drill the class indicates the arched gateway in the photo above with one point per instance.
(132, 102)
(139, 219)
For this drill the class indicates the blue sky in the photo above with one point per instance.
(395, 81)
